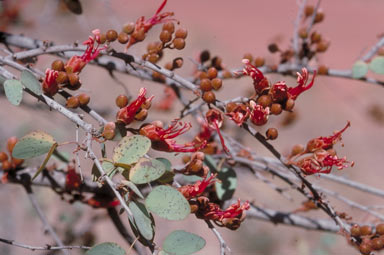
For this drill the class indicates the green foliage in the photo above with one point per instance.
(13, 91)
(180, 242)
(377, 65)
(130, 149)
(133, 187)
(146, 170)
(33, 144)
(168, 175)
(359, 69)
(106, 249)
(30, 82)
(168, 203)
(142, 220)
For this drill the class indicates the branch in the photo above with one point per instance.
(46, 248)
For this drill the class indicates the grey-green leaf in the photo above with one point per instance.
(168, 203)
(133, 187)
(130, 149)
(146, 170)
(225, 188)
(13, 91)
(30, 82)
(107, 248)
(359, 69)
(377, 65)
(142, 220)
(32, 145)
(180, 242)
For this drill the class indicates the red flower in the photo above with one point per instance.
(279, 91)
(215, 120)
(259, 114)
(233, 211)
(301, 81)
(194, 190)
(162, 139)
(146, 25)
(240, 114)
(76, 63)
(72, 179)
(50, 86)
(325, 142)
(260, 82)
(127, 114)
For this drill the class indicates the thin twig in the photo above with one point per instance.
(46, 248)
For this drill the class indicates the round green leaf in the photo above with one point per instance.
(131, 148)
(180, 242)
(106, 249)
(133, 187)
(377, 65)
(33, 144)
(168, 175)
(227, 185)
(30, 82)
(13, 91)
(142, 220)
(168, 203)
(146, 170)
(359, 69)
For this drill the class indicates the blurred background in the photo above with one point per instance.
(228, 29)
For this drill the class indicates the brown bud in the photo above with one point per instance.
(355, 230)
(227, 74)
(322, 70)
(62, 78)
(111, 35)
(319, 17)
(11, 142)
(315, 37)
(259, 61)
(303, 34)
(169, 26)
(276, 109)
(264, 100)
(121, 101)
(142, 115)
(377, 243)
(366, 230)
(230, 107)
(3, 156)
(273, 48)
(297, 149)
(57, 65)
(178, 43)
(6, 165)
(248, 56)
(186, 158)
(73, 102)
(139, 35)
(209, 97)
(309, 9)
(83, 99)
(123, 38)
(322, 46)
(195, 166)
(380, 229)
(73, 80)
(212, 73)
(168, 66)
(289, 104)
(204, 56)
(198, 155)
(202, 75)
(108, 134)
(147, 104)
(153, 58)
(165, 36)
(177, 63)
(103, 38)
(365, 248)
(216, 83)
(271, 133)
(205, 85)
(16, 162)
(129, 27)
(181, 33)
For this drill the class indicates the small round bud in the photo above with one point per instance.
(209, 97)
(123, 38)
(73, 102)
(103, 38)
(248, 56)
(322, 70)
(303, 34)
(154, 47)
(203, 75)
(179, 43)
(315, 37)
(206, 84)
(73, 80)
(111, 35)
(198, 155)
(3, 156)
(11, 142)
(380, 229)
(121, 101)
(276, 109)
(142, 115)
(271, 133)
(139, 35)
(83, 99)
(6, 165)
(309, 9)
(319, 17)
(181, 33)
(62, 78)
(153, 58)
(185, 159)
(217, 62)
(195, 166)
(109, 134)
(377, 243)
(165, 36)
(57, 65)
(259, 61)
(168, 66)
(204, 56)
(169, 26)
(158, 77)
(289, 105)
(322, 46)
(230, 107)
(212, 73)
(365, 230)
(217, 83)
(273, 48)
(16, 162)
(227, 74)
(147, 104)
(177, 63)
(355, 230)
(365, 248)
(129, 27)
(264, 100)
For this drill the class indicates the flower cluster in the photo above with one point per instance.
(136, 109)
(319, 155)
(162, 139)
